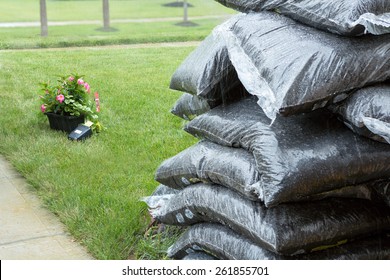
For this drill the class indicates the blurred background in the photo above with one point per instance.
(100, 22)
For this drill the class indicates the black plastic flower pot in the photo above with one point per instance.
(64, 123)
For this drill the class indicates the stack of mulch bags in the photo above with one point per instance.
(291, 103)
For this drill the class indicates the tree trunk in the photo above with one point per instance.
(106, 15)
(185, 7)
(44, 29)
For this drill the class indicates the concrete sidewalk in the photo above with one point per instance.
(27, 230)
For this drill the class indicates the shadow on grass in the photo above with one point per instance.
(177, 4)
(103, 29)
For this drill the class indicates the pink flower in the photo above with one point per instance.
(87, 87)
(43, 108)
(80, 81)
(60, 98)
(71, 78)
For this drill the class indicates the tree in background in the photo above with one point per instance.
(185, 7)
(106, 15)
(185, 21)
(44, 29)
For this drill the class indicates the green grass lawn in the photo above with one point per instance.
(89, 35)
(92, 34)
(94, 186)
(65, 10)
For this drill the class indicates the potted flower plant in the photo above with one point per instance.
(69, 103)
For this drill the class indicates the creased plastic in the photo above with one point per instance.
(226, 244)
(210, 163)
(382, 188)
(198, 255)
(233, 168)
(287, 229)
(208, 72)
(377, 127)
(293, 68)
(188, 106)
(296, 156)
(345, 17)
(367, 112)
(373, 24)
(160, 196)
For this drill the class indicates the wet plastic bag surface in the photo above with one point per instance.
(208, 72)
(160, 196)
(294, 68)
(346, 17)
(292, 228)
(188, 106)
(198, 255)
(211, 163)
(226, 244)
(235, 169)
(297, 156)
(383, 190)
(367, 112)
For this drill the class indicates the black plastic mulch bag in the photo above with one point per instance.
(289, 229)
(297, 156)
(219, 241)
(162, 194)
(211, 163)
(225, 244)
(367, 112)
(294, 68)
(375, 191)
(382, 189)
(188, 106)
(208, 72)
(346, 17)
(233, 168)
(197, 255)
